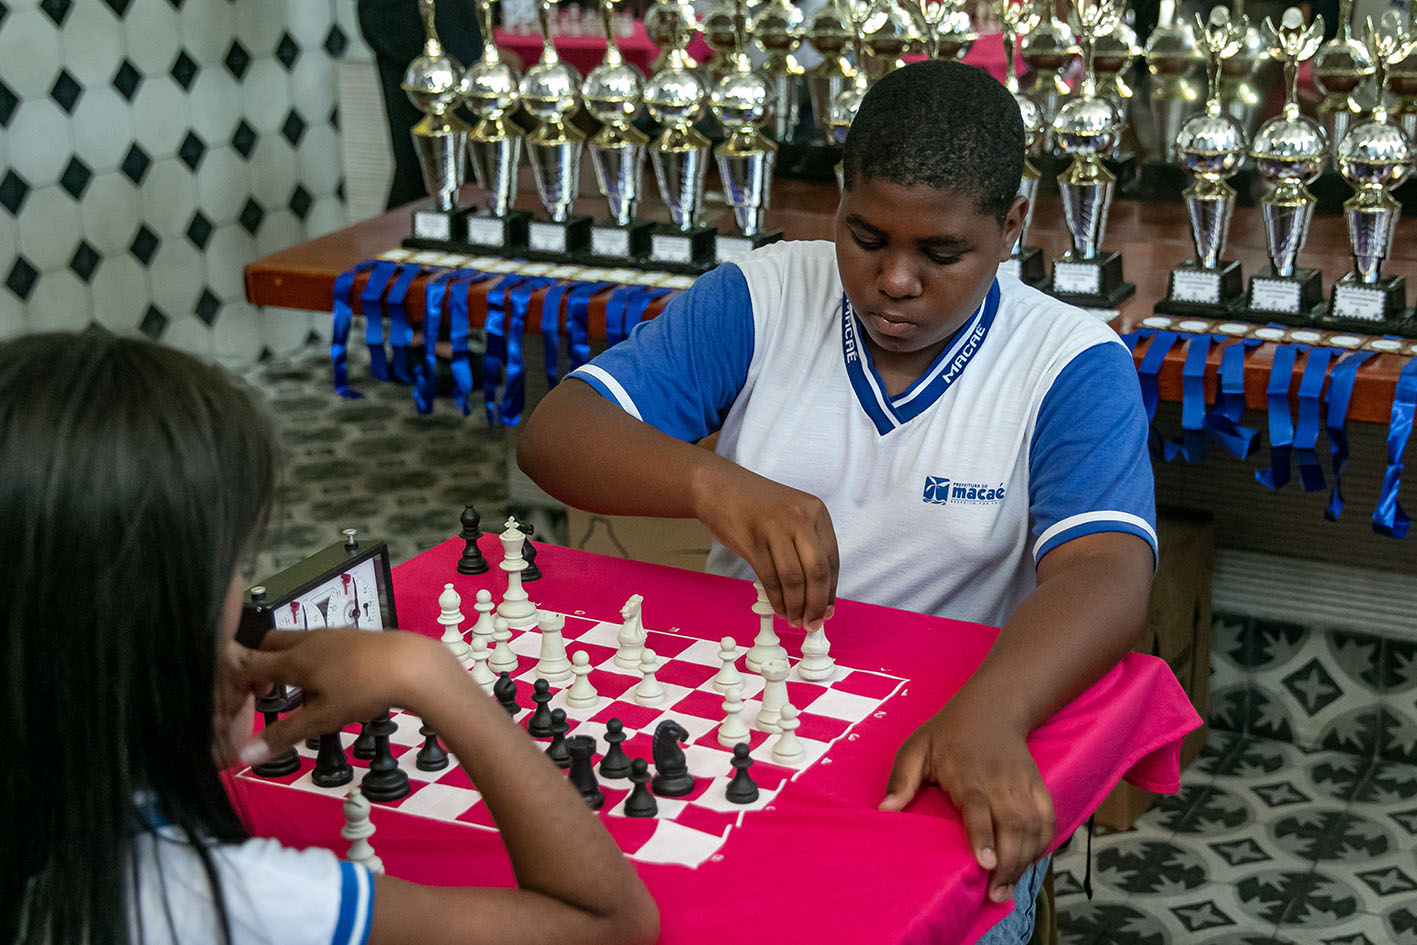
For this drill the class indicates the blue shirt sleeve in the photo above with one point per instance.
(1089, 470)
(681, 372)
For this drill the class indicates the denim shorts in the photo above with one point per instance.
(1016, 928)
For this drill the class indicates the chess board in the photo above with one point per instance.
(687, 830)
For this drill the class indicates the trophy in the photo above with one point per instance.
(946, 28)
(887, 33)
(1049, 50)
(490, 90)
(551, 92)
(719, 36)
(1171, 57)
(1087, 127)
(777, 29)
(665, 20)
(612, 93)
(1240, 86)
(842, 110)
(1211, 146)
(1341, 67)
(1116, 51)
(1402, 83)
(1374, 157)
(1016, 20)
(1289, 151)
(675, 97)
(740, 101)
(829, 31)
(439, 137)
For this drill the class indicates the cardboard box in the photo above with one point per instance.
(1178, 631)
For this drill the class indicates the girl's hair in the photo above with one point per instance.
(132, 480)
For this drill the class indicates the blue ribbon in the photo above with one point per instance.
(400, 331)
(1340, 395)
(509, 410)
(1281, 424)
(577, 321)
(1306, 432)
(1150, 365)
(371, 298)
(458, 329)
(1389, 518)
(426, 372)
(615, 314)
(495, 356)
(343, 318)
(1224, 420)
(551, 330)
(1192, 443)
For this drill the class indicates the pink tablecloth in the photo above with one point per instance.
(821, 864)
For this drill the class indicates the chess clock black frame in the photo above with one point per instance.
(365, 561)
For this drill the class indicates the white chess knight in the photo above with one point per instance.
(774, 696)
(481, 675)
(582, 694)
(787, 750)
(649, 691)
(732, 729)
(552, 665)
(631, 639)
(766, 646)
(728, 676)
(451, 618)
(516, 607)
(502, 660)
(358, 828)
(816, 665)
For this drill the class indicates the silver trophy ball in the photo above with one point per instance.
(1087, 126)
(612, 92)
(1033, 123)
(741, 99)
(1375, 154)
(843, 109)
(490, 89)
(551, 91)
(1290, 148)
(675, 97)
(432, 81)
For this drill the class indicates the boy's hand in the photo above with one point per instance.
(784, 534)
(984, 766)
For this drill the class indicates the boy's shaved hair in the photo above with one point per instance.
(940, 124)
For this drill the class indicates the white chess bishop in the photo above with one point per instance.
(516, 607)
(358, 828)
(450, 616)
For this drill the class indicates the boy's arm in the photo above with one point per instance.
(1084, 615)
(587, 452)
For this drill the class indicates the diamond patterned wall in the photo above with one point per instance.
(149, 149)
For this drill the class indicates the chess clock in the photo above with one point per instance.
(347, 584)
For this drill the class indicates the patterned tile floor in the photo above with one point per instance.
(1265, 843)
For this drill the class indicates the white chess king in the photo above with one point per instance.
(516, 607)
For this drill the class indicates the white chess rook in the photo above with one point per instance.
(631, 639)
(766, 645)
(502, 660)
(649, 691)
(481, 675)
(732, 729)
(516, 607)
(787, 750)
(553, 665)
(728, 676)
(774, 696)
(450, 617)
(582, 694)
(358, 828)
(816, 665)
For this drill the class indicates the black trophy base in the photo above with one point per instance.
(1208, 293)
(565, 240)
(440, 226)
(730, 246)
(683, 251)
(614, 245)
(486, 231)
(1027, 266)
(1375, 309)
(1296, 300)
(1091, 283)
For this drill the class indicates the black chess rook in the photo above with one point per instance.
(581, 748)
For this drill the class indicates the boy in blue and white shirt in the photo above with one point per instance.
(890, 410)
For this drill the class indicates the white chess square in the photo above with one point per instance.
(703, 652)
(716, 798)
(674, 843)
(440, 801)
(602, 634)
(846, 706)
(706, 762)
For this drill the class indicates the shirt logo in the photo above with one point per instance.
(941, 490)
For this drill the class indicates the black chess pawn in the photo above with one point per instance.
(582, 773)
(557, 750)
(615, 764)
(332, 768)
(384, 781)
(742, 789)
(531, 572)
(472, 560)
(363, 747)
(539, 725)
(505, 689)
(271, 706)
(431, 757)
(641, 802)
(671, 770)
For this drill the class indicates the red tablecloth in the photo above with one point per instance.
(820, 864)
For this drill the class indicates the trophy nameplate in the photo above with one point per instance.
(559, 238)
(1200, 290)
(1373, 307)
(1293, 300)
(685, 250)
(1027, 266)
(610, 242)
(732, 246)
(486, 230)
(442, 226)
(1093, 283)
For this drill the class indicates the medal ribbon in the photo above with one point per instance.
(426, 372)
(343, 317)
(400, 331)
(1389, 518)
(577, 321)
(1340, 395)
(371, 299)
(1224, 420)
(459, 327)
(551, 330)
(1192, 444)
(1281, 424)
(1306, 434)
(1161, 343)
(509, 411)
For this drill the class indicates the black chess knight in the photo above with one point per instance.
(672, 777)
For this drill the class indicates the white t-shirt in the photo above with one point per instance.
(1026, 432)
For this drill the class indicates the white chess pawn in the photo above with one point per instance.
(774, 696)
(816, 665)
(728, 676)
(484, 607)
(481, 675)
(502, 660)
(451, 618)
(787, 750)
(766, 645)
(516, 606)
(552, 664)
(649, 691)
(358, 828)
(732, 730)
(631, 639)
(582, 694)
